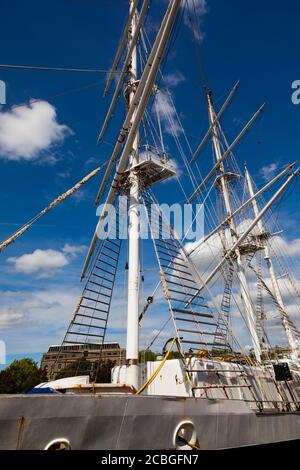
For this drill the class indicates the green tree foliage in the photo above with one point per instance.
(147, 356)
(21, 375)
(99, 371)
(175, 355)
(79, 367)
(102, 372)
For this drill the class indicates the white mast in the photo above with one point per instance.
(245, 294)
(132, 344)
(274, 280)
(137, 95)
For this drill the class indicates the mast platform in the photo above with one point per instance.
(250, 247)
(152, 168)
(229, 176)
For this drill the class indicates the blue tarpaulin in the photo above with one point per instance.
(41, 391)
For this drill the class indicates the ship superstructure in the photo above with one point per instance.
(215, 384)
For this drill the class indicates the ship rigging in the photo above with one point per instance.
(236, 270)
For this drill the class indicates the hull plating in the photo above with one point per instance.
(136, 422)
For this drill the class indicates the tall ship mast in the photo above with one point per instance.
(132, 343)
(217, 289)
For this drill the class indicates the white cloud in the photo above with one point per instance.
(49, 160)
(198, 6)
(45, 262)
(288, 248)
(161, 334)
(211, 253)
(163, 106)
(28, 130)
(64, 174)
(9, 318)
(82, 195)
(268, 171)
(39, 260)
(34, 320)
(92, 161)
(174, 79)
(195, 9)
(74, 250)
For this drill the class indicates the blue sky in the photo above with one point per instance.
(256, 42)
